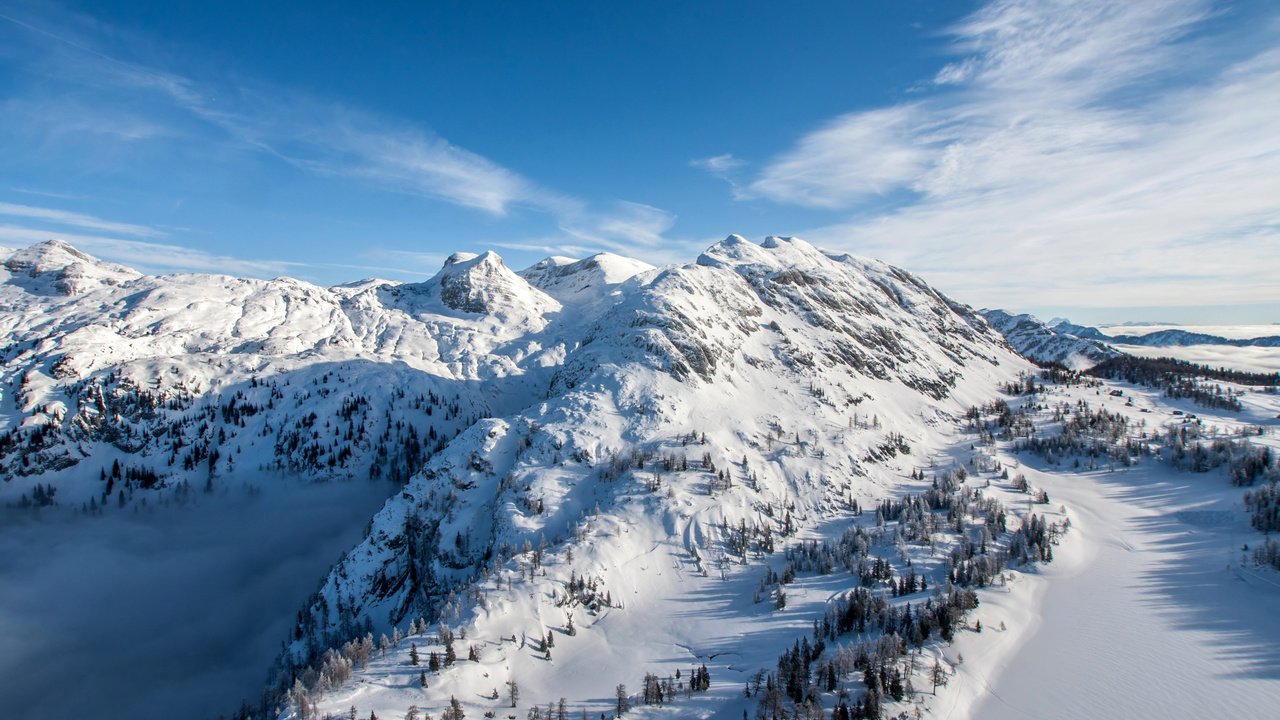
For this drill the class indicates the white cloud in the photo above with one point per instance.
(549, 246)
(853, 157)
(953, 73)
(718, 165)
(1075, 156)
(74, 219)
(416, 162)
(629, 227)
(1068, 51)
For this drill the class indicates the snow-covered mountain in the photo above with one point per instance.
(185, 378)
(56, 268)
(716, 406)
(1070, 345)
(1181, 338)
(577, 447)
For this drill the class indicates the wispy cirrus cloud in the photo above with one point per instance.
(853, 157)
(627, 228)
(142, 102)
(1066, 157)
(718, 164)
(140, 249)
(326, 138)
(413, 161)
(74, 219)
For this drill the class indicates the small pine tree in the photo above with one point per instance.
(623, 704)
(413, 654)
(938, 675)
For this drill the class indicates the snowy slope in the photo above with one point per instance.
(1152, 607)
(591, 280)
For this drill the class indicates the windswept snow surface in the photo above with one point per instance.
(1149, 610)
(1150, 614)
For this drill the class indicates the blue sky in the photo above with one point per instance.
(1107, 161)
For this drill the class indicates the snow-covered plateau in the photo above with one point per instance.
(774, 482)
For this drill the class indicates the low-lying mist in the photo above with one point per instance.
(172, 612)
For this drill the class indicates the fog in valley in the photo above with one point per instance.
(163, 613)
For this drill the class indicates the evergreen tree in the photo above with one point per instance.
(938, 675)
(623, 704)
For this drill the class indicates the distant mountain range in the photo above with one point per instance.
(1172, 338)
(1038, 341)
(1077, 346)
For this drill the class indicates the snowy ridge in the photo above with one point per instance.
(1038, 341)
(1180, 338)
(591, 279)
(124, 364)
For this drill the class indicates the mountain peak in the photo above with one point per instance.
(459, 257)
(55, 267)
(589, 279)
(734, 250)
(483, 284)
